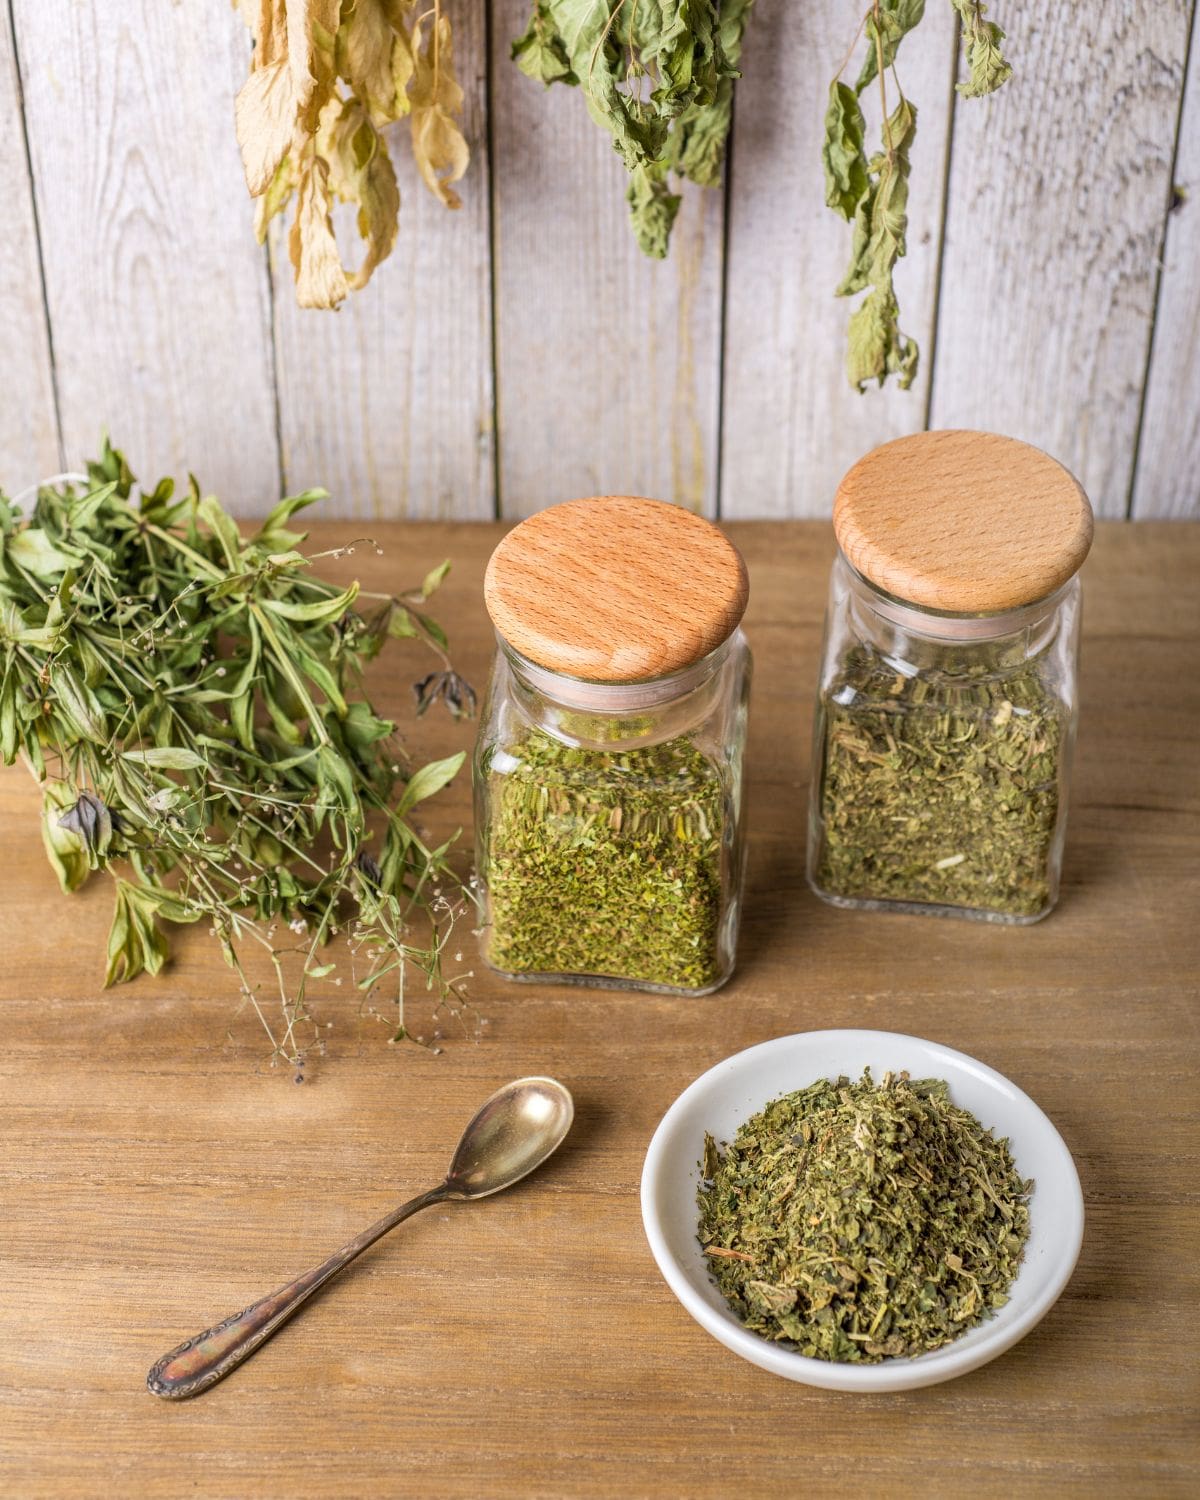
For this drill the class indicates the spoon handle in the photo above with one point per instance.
(209, 1356)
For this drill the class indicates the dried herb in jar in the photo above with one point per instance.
(940, 787)
(606, 862)
(859, 1221)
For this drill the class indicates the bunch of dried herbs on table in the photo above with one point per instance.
(604, 862)
(190, 701)
(861, 1221)
(939, 788)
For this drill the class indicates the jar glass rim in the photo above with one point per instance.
(920, 619)
(615, 697)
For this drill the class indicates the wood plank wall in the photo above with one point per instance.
(522, 350)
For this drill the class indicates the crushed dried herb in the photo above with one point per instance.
(605, 862)
(861, 1221)
(941, 787)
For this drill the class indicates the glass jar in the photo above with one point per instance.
(608, 803)
(943, 737)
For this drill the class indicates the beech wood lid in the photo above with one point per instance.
(615, 588)
(968, 522)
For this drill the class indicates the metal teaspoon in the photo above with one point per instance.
(513, 1132)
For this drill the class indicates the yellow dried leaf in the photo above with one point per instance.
(275, 199)
(403, 68)
(438, 144)
(312, 49)
(364, 56)
(267, 22)
(265, 113)
(360, 172)
(320, 280)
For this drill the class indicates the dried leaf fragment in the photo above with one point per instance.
(438, 144)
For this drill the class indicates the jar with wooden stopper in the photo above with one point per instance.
(608, 769)
(947, 705)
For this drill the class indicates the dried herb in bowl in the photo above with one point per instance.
(606, 862)
(859, 1221)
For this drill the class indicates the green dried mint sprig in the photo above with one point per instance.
(605, 862)
(858, 1222)
(871, 192)
(190, 701)
(940, 788)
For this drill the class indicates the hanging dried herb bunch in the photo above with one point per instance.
(872, 192)
(326, 78)
(658, 76)
(190, 702)
(861, 1221)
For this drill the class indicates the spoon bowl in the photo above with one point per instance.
(511, 1134)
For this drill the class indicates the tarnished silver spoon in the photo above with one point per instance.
(513, 1132)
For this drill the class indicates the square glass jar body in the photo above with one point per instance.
(608, 824)
(941, 755)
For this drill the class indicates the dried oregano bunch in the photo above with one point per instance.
(326, 77)
(190, 702)
(873, 192)
(658, 75)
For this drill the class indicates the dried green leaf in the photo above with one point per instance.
(842, 152)
(67, 849)
(314, 611)
(652, 210)
(982, 45)
(34, 551)
(540, 52)
(434, 579)
(166, 758)
(885, 29)
(430, 780)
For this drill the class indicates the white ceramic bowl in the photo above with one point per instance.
(727, 1095)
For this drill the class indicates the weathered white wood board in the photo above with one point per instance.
(792, 423)
(608, 364)
(157, 293)
(388, 401)
(1058, 186)
(523, 350)
(28, 425)
(1167, 482)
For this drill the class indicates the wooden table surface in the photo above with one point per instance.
(156, 1175)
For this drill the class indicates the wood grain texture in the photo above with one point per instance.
(1043, 334)
(791, 422)
(388, 402)
(607, 363)
(615, 588)
(29, 448)
(963, 521)
(157, 293)
(156, 1175)
(1167, 481)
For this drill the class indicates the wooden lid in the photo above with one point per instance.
(615, 589)
(963, 521)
